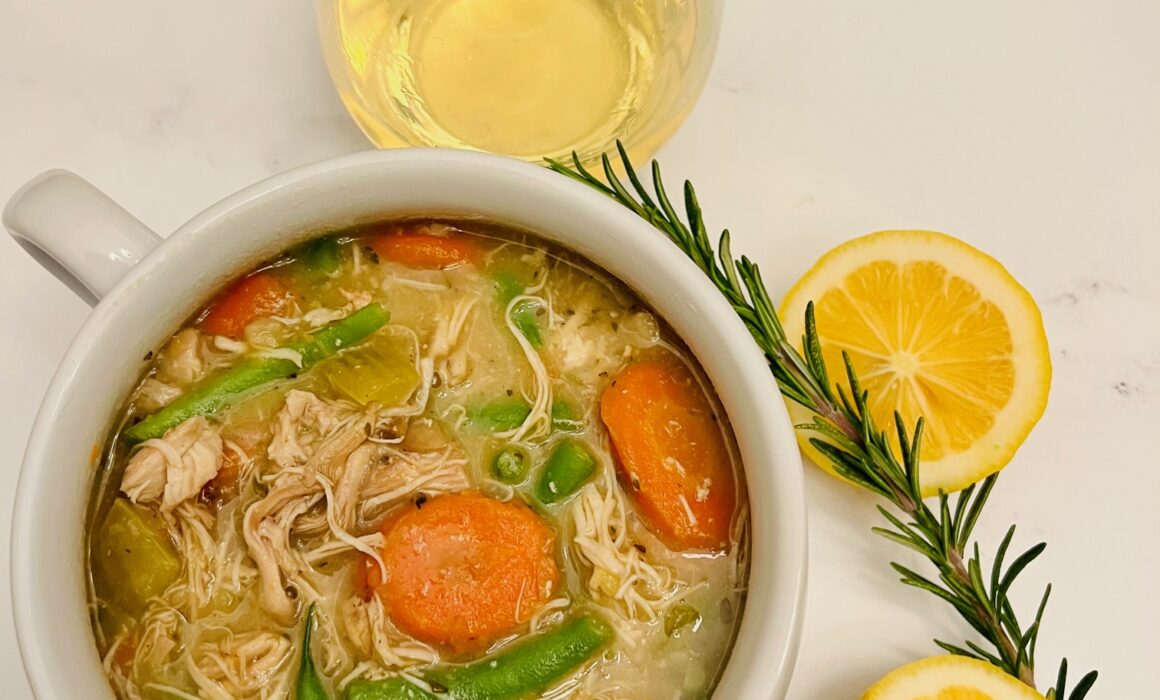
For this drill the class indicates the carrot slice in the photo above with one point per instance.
(671, 454)
(464, 570)
(414, 248)
(249, 298)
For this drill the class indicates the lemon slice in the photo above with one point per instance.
(934, 328)
(949, 678)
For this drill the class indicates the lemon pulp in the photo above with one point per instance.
(933, 328)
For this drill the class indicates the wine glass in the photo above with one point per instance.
(526, 78)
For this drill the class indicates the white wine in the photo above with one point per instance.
(528, 78)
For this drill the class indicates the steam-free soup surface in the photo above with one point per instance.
(419, 459)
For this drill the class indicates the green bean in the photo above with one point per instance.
(309, 685)
(568, 467)
(526, 669)
(215, 393)
(322, 255)
(564, 418)
(510, 465)
(510, 283)
(341, 334)
(530, 667)
(387, 689)
(511, 279)
(501, 414)
(508, 413)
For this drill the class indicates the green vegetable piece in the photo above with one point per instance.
(568, 467)
(379, 371)
(509, 284)
(322, 255)
(215, 393)
(341, 334)
(530, 667)
(510, 465)
(680, 617)
(309, 685)
(133, 556)
(501, 414)
(524, 670)
(386, 689)
(565, 418)
(512, 278)
(525, 317)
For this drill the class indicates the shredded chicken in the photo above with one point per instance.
(312, 444)
(265, 332)
(408, 473)
(266, 529)
(184, 359)
(334, 450)
(367, 626)
(447, 347)
(587, 340)
(323, 315)
(154, 394)
(195, 524)
(303, 421)
(620, 572)
(348, 487)
(240, 665)
(159, 637)
(174, 467)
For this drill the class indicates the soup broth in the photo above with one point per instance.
(419, 459)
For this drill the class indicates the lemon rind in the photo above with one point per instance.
(925, 678)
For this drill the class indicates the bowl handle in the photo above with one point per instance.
(76, 232)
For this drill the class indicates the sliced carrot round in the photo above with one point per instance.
(248, 299)
(415, 248)
(671, 453)
(464, 570)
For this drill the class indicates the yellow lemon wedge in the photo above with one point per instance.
(949, 678)
(934, 328)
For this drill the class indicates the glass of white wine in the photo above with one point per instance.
(526, 78)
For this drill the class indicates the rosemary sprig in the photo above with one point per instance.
(846, 434)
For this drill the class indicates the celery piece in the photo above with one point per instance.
(381, 371)
(680, 616)
(133, 557)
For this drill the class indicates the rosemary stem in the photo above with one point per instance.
(1024, 671)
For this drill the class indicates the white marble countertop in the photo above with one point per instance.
(1030, 129)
